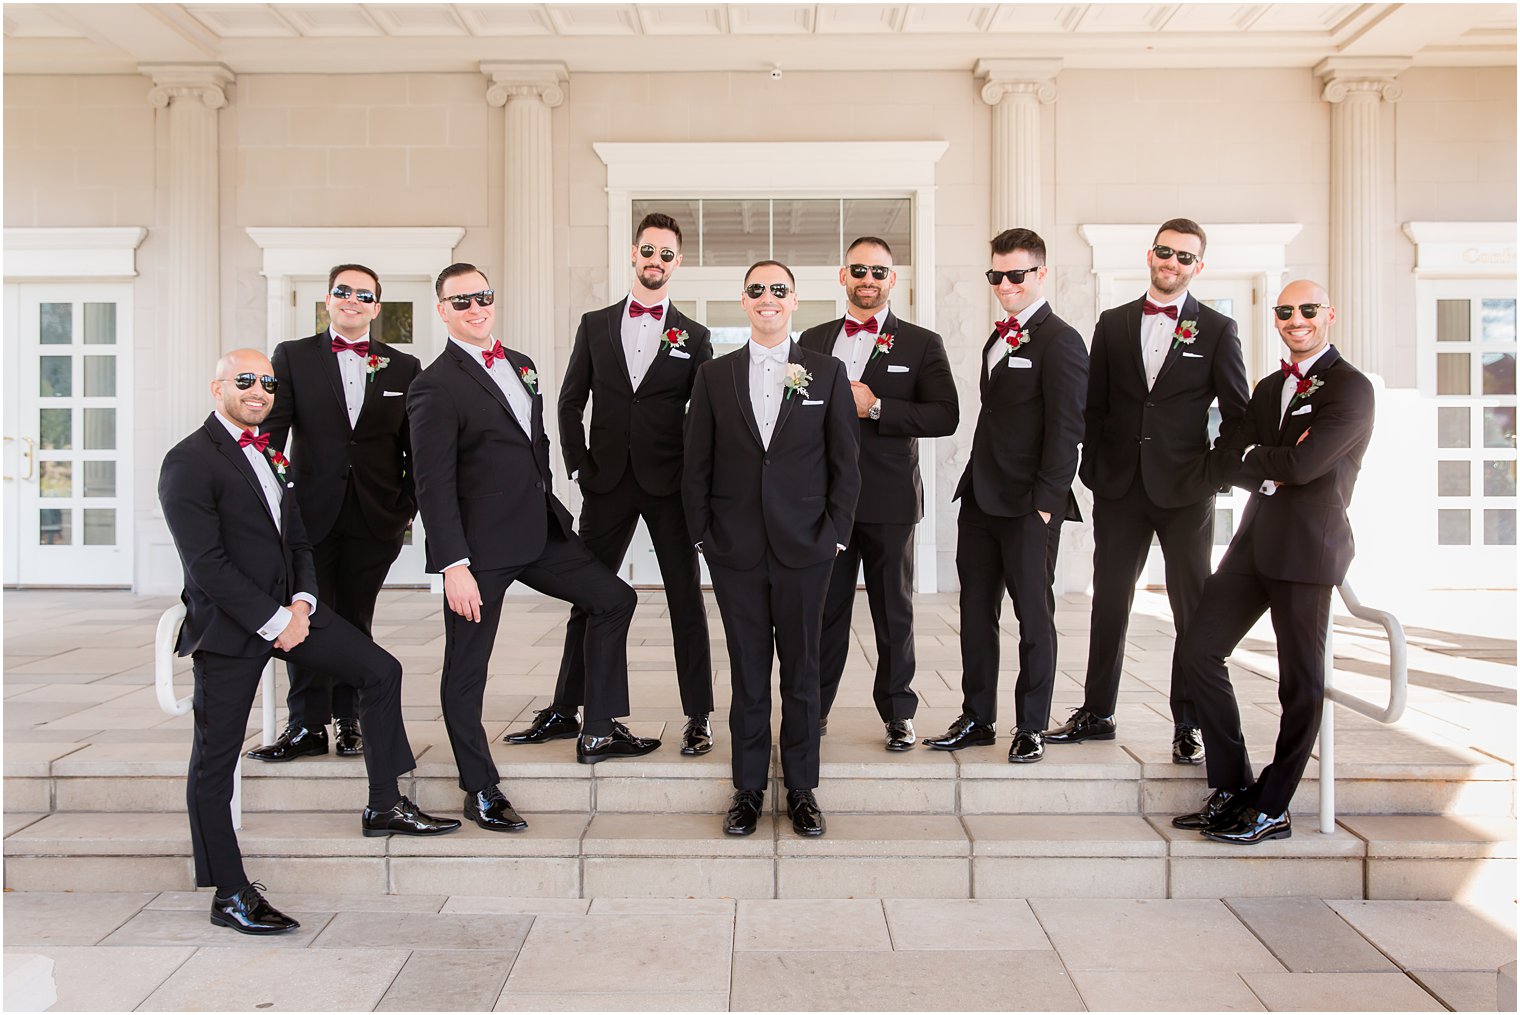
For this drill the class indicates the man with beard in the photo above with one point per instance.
(1157, 365)
(636, 360)
(904, 390)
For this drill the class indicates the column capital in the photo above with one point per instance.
(206, 82)
(510, 79)
(1018, 77)
(1367, 75)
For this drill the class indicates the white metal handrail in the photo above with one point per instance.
(163, 686)
(1398, 692)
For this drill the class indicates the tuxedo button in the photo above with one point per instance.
(635, 401)
(540, 485)
(1150, 405)
(767, 461)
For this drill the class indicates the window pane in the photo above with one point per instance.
(735, 232)
(99, 481)
(685, 214)
(56, 429)
(806, 232)
(728, 324)
(100, 324)
(1498, 320)
(890, 220)
(100, 429)
(1499, 427)
(99, 526)
(1453, 427)
(1499, 373)
(396, 323)
(56, 376)
(57, 323)
(811, 312)
(55, 479)
(100, 376)
(1453, 479)
(1224, 525)
(1499, 479)
(1452, 318)
(1454, 528)
(55, 527)
(1453, 373)
(1499, 528)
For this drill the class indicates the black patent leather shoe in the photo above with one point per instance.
(900, 735)
(493, 812)
(247, 912)
(548, 724)
(620, 743)
(802, 808)
(1249, 826)
(296, 742)
(964, 732)
(1221, 805)
(1187, 746)
(348, 742)
(744, 812)
(696, 738)
(404, 819)
(1028, 747)
(1083, 725)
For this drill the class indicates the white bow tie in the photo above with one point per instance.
(760, 354)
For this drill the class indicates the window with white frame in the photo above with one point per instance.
(1474, 371)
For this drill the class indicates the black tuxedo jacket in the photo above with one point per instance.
(1165, 427)
(629, 429)
(1300, 533)
(796, 497)
(239, 568)
(1024, 452)
(918, 399)
(326, 450)
(483, 485)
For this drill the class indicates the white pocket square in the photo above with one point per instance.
(1193, 355)
(678, 354)
(1301, 410)
(1019, 363)
(812, 401)
(389, 394)
(891, 369)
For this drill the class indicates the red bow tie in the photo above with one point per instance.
(259, 442)
(1151, 308)
(493, 354)
(360, 347)
(1009, 326)
(1290, 369)
(853, 327)
(636, 309)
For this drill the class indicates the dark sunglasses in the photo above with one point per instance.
(462, 302)
(1309, 311)
(666, 254)
(343, 292)
(878, 271)
(755, 290)
(1183, 257)
(1016, 276)
(245, 381)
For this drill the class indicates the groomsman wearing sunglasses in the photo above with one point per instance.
(1158, 363)
(1298, 451)
(230, 500)
(904, 390)
(484, 488)
(344, 397)
(636, 360)
(769, 488)
(1014, 494)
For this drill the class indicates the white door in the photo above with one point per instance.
(68, 434)
(409, 322)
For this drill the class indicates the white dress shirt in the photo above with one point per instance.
(355, 372)
(263, 470)
(509, 381)
(1290, 384)
(1156, 334)
(641, 339)
(855, 352)
(767, 385)
(1000, 350)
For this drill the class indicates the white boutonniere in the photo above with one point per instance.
(797, 380)
(376, 364)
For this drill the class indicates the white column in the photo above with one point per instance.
(1356, 88)
(190, 95)
(525, 309)
(1016, 89)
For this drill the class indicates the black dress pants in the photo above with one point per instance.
(887, 551)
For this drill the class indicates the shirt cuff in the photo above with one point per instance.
(276, 625)
(841, 547)
(307, 598)
(463, 560)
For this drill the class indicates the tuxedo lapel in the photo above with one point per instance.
(1290, 424)
(229, 449)
(874, 360)
(1188, 312)
(794, 355)
(520, 363)
(371, 380)
(984, 375)
(476, 371)
(614, 325)
(1134, 345)
(741, 392)
(328, 363)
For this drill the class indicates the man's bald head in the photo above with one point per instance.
(247, 406)
(1306, 328)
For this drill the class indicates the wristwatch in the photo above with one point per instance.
(874, 412)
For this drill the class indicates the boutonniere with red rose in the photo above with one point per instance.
(883, 346)
(280, 462)
(1013, 334)
(529, 377)
(674, 338)
(797, 380)
(1307, 386)
(1186, 333)
(376, 364)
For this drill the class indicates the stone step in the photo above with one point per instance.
(863, 855)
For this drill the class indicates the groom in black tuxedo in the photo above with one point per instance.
(903, 388)
(1157, 365)
(770, 487)
(1014, 494)
(250, 592)
(636, 360)
(1298, 450)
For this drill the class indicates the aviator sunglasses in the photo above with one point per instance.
(462, 302)
(1309, 311)
(1016, 276)
(755, 290)
(1184, 258)
(878, 271)
(343, 292)
(245, 381)
(666, 254)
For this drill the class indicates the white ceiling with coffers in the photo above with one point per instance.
(358, 38)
